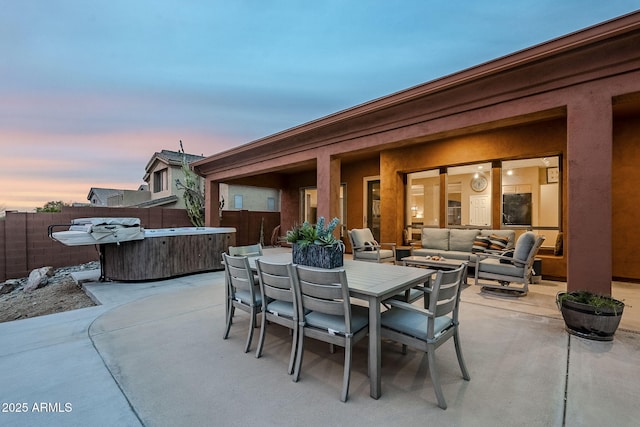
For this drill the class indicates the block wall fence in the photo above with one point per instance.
(25, 245)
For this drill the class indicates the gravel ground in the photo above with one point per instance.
(60, 294)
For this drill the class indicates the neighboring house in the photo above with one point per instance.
(545, 138)
(162, 174)
(248, 198)
(114, 198)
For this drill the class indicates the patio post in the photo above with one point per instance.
(589, 203)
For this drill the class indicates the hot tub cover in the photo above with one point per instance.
(94, 231)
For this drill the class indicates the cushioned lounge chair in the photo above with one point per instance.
(513, 274)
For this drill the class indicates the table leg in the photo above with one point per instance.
(375, 358)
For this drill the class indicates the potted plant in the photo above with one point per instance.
(316, 246)
(589, 315)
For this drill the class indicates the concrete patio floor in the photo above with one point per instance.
(152, 354)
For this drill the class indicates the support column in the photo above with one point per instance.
(328, 183)
(496, 194)
(589, 201)
(444, 199)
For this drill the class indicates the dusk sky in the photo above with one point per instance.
(89, 90)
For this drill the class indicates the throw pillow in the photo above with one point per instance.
(370, 246)
(480, 244)
(498, 243)
(558, 248)
(507, 253)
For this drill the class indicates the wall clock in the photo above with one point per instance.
(479, 184)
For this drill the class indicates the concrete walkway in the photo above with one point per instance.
(152, 354)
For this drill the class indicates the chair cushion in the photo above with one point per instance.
(281, 308)
(245, 297)
(436, 238)
(412, 323)
(359, 320)
(456, 255)
(414, 294)
(428, 252)
(524, 245)
(492, 265)
(462, 240)
(373, 255)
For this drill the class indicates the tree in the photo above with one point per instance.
(193, 194)
(53, 206)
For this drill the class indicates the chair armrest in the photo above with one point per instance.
(485, 255)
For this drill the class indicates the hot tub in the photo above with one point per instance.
(167, 252)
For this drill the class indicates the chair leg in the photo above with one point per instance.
(294, 347)
(263, 327)
(431, 357)
(300, 352)
(229, 318)
(347, 371)
(463, 367)
(252, 324)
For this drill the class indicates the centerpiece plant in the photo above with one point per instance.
(316, 245)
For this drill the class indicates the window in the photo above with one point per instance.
(237, 201)
(469, 195)
(531, 194)
(309, 204)
(423, 197)
(271, 204)
(160, 180)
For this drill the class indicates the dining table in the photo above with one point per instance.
(373, 283)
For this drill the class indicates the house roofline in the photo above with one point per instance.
(554, 47)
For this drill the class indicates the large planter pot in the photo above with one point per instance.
(587, 321)
(318, 256)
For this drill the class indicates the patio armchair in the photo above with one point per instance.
(427, 329)
(366, 248)
(279, 302)
(241, 293)
(327, 315)
(513, 274)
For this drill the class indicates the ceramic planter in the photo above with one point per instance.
(587, 321)
(318, 256)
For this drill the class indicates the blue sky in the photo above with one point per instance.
(90, 90)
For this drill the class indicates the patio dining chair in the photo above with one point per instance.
(513, 274)
(427, 329)
(327, 315)
(279, 302)
(241, 293)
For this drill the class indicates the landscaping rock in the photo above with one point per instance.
(9, 286)
(38, 278)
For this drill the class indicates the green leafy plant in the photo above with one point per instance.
(193, 195)
(598, 302)
(307, 234)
